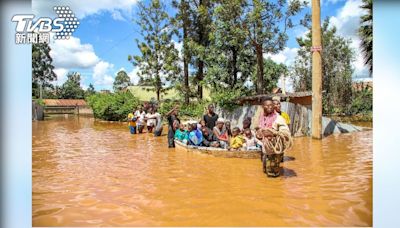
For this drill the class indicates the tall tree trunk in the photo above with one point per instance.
(185, 64)
(260, 69)
(200, 76)
(202, 40)
(235, 70)
(158, 85)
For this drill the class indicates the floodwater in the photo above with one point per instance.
(366, 124)
(87, 173)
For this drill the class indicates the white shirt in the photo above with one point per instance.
(151, 122)
(280, 124)
(140, 116)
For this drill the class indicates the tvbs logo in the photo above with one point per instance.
(31, 30)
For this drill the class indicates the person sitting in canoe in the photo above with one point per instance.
(202, 123)
(181, 134)
(250, 140)
(209, 139)
(195, 135)
(246, 124)
(228, 128)
(220, 132)
(237, 139)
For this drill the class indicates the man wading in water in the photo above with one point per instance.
(173, 124)
(271, 119)
(272, 130)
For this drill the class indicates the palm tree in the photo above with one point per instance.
(365, 32)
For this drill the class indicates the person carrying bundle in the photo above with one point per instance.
(274, 134)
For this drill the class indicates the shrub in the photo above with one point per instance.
(40, 102)
(227, 99)
(114, 107)
(193, 110)
(362, 102)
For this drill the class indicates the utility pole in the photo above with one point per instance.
(316, 71)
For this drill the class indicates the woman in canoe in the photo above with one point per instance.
(221, 133)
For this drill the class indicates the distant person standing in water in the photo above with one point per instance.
(140, 115)
(211, 117)
(132, 123)
(159, 124)
(151, 120)
(173, 124)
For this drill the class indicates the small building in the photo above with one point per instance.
(66, 106)
(65, 102)
(106, 91)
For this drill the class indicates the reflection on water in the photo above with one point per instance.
(87, 173)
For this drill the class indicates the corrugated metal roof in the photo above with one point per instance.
(64, 102)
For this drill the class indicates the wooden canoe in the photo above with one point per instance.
(219, 152)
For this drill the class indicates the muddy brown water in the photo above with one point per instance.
(86, 173)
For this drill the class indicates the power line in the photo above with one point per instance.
(104, 53)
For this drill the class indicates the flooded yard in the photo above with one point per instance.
(87, 173)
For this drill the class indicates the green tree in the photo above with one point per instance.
(272, 73)
(42, 68)
(122, 81)
(198, 18)
(337, 69)
(51, 92)
(182, 20)
(266, 23)
(362, 101)
(229, 59)
(71, 89)
(90, 90)
(365, 32)
(158, 58)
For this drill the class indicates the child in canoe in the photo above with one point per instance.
(195, 135)
(209, 139)
(237, 139)
(251, 143)
(181, 134)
